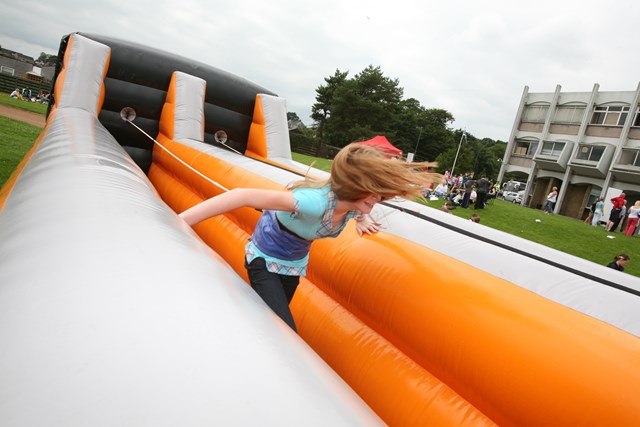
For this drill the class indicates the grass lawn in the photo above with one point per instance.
(318, 163)
(16, 138)
(555, 231)
(24, 105)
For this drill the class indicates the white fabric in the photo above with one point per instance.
(189, 108)
(84, 74)
(276, 126)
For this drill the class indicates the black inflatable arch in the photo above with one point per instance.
(139, 76)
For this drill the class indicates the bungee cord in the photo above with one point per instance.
(128, 114)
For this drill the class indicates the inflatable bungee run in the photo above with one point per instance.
(113, 311)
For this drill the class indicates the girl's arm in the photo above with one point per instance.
(281, 200)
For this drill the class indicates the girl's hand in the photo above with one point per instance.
(367, 225)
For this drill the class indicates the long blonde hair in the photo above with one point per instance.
(359, 170)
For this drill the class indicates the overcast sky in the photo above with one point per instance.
(470, 57)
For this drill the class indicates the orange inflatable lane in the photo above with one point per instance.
(398, 389)
(519, 358)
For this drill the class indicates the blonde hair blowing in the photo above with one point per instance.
(359, 170)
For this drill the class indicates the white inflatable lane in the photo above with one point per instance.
(113, 312)
(511, 258)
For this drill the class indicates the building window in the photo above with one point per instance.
(636, 120)
(569, 114)
(525, 148)
(630, 157)
(552, 148)
(592, 153)
(535, 113)
(7, 70)
(613, 115)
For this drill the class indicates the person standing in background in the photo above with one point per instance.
(620, 218)
(551, 200)
(592, 210)
(468, 188)
(632, 221)
(482, 188)
(618, 203)
(597, 213)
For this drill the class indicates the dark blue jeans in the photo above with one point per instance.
(275, 289)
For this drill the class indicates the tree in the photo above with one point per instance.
(355, 109)
(370, 104)
(293, 121)
(47, 59)
(321, 110)
(479, 156)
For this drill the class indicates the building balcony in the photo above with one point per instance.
(553, 155)
(627, 168)
(593, 160)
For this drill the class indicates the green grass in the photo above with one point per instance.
(559, 232)
(16, 138)
(318, 163)
(24, 105)
(565, 234)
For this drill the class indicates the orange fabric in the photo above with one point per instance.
(400, 391)
(506, 350)
(167, 117)
(257, 143)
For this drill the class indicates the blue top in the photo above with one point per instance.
(286, 250)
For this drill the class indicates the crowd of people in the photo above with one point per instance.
(464, 191)
(27, 94)
(620, 218)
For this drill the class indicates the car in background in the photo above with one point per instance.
(513, 196)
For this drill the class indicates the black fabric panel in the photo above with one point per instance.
(145, 100)
(126, 134)
(143, 158)
(152, 67)
(234, 124)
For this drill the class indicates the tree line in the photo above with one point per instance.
(349, 109)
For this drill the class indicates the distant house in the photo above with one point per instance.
(18, 65)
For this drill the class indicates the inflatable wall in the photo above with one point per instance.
(113, 311)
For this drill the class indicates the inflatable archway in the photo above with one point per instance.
(113, 311)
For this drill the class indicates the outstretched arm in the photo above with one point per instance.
(281, 200)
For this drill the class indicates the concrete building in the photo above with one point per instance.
(584, 143)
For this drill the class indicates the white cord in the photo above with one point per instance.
(179, 159)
